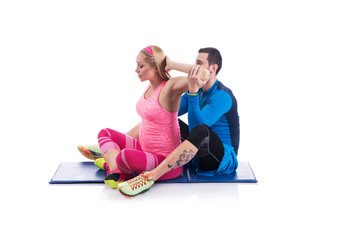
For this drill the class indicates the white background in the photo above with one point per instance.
(67, 71)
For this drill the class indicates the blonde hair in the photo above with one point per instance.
(157, 60)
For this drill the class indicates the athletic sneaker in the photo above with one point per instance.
(136, 186)
(91, 152)
(114, 178)
(99, 162)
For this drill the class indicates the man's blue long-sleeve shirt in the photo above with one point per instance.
(217, 108)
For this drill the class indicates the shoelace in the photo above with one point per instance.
(139, 181)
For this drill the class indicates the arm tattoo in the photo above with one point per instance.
(184, 158)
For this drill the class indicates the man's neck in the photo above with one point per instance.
(209, 84)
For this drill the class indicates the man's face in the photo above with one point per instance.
(202, 60)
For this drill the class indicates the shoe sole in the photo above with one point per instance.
(88, 153)
(130, 196)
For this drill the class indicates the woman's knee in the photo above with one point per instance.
(107, 141)
(104, 133)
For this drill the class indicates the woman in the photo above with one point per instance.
(151, 141)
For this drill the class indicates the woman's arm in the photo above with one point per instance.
(180, 84)
(181, 67)
(185, 68)
(175, 87)
(134, 132)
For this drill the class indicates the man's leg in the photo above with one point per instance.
(211, 151)
(184, 130)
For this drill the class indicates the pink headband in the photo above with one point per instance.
(148, 49)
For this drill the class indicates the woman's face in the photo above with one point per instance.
(143, 69)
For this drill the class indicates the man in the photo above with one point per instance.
(213, 141)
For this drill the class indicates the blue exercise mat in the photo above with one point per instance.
(87, 172)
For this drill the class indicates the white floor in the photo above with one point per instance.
(296, 202)
(67, 71)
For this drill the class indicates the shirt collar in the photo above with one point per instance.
(211, 89)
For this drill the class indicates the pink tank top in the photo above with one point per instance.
(159, 129)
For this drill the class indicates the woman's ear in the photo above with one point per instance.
(157, 72)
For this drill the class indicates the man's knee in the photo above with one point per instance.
(201, 129)
(198, 134)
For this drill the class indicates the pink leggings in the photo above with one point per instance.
(131, 157)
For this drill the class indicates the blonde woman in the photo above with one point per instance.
(146, 145)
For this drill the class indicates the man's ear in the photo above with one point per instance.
(213, 68)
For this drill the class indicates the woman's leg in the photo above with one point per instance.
(201, 140)
(203, 143)
(111, 142)
(131, 160)
(111, 139)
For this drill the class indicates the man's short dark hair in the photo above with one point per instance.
(214, 56)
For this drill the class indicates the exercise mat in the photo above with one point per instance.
(87, 172)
